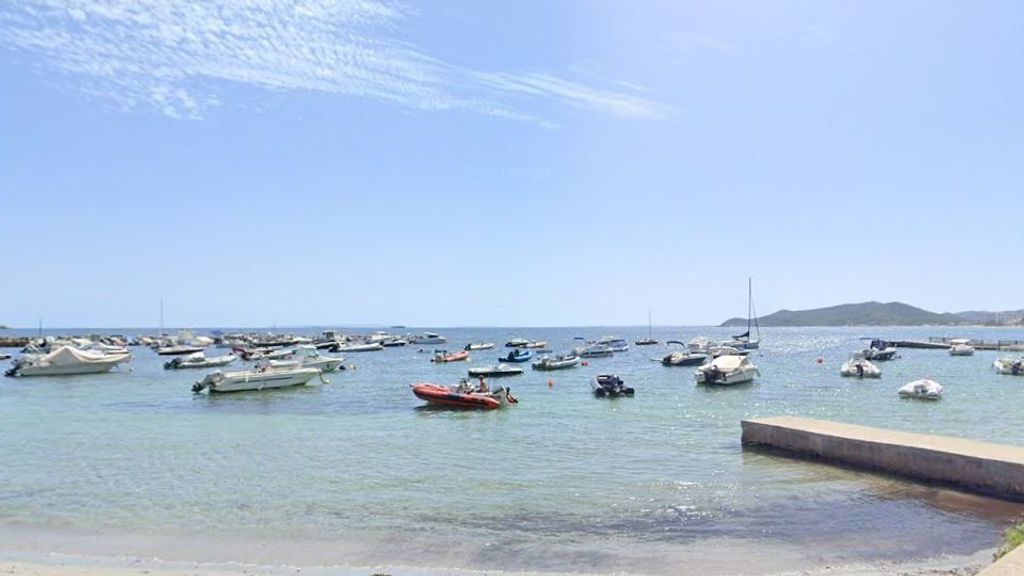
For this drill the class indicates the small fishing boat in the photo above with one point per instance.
(264, 377)
(199, 360)
(516, 343)
(1009, 366)
(922, 390)
(495, 371)
(727, 370)
(716, 351)
(517, 355)
(443, 356)
(560, 362)
(479, 346)
(250, 354)
(961, 347)
(593, 351)
(609, 386)
(358, 347)
(535, 344)
(66, 361)
(858, 366)
(463, 396)
(394, 342)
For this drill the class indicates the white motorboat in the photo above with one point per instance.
(684, 358)
(199, 360)
(495, 371)
(179, 350)
(859, 367)
(716, 351)
(428, 338)
(358, 347)
(479, 346)
(66, 361)
(262, 378)
(614, 343)
(516, 343)
(394, 342)
(961, 347)
(306, 356)
(880, 351)
(1009, 366)
(560, 362)
(727, 370)
(592, 351)
(922, 390)
(700, 344)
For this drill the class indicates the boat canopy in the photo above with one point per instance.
(729, 363)
(68, 356)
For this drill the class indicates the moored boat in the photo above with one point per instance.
(199, 360)
(307, 356)
(1009, 366)
(427, 338)
(66, 361)
(495, 371)
(560, 362)
(463, 396)
(610, 386)
(517, 355)
(858, 366)
(684, 357)
(535, 344)
(358, 347)
(443, 356)
(961, 347)
(593, 351)
(479, 346)
(922, 390)
(516, 343)
(727, 371)
(880, 351)
(262, 378)
(179, 350)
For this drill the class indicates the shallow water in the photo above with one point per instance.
(357, 473)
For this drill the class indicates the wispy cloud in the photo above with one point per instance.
(177, 57)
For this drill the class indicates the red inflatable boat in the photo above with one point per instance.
(453, 398)
(442, 356)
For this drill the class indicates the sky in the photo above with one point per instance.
(531, 163)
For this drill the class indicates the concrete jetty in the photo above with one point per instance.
(992, 469)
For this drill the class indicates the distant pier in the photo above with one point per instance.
(992, 469)
(943, 343)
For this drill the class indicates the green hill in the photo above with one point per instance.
(862, 314)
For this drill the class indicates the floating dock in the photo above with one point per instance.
(992, 469)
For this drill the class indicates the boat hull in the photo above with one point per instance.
(92, 368)
(449, 398)
(249, 381)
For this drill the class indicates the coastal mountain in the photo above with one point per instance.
(861, 314)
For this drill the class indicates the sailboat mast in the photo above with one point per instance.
(161, 315)
(650, 328)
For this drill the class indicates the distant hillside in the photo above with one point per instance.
(862, 314)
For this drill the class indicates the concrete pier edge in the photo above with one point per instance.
(982, 467)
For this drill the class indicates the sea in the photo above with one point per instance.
(357, 473)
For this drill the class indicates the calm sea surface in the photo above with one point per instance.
(357, 473)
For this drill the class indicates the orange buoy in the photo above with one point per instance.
(551, 383)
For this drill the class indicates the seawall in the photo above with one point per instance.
(992, 469)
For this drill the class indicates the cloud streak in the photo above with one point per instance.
(178, 57)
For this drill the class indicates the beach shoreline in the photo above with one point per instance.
(72, 565)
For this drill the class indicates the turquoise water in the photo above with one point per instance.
(357, 472)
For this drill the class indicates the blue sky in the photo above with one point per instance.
(526, 163)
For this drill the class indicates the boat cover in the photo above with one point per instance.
(728, 363)
(69, 356)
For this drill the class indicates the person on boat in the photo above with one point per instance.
(860, 370)
(483, 388)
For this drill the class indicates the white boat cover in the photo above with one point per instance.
(68, 356)
(729, 363)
